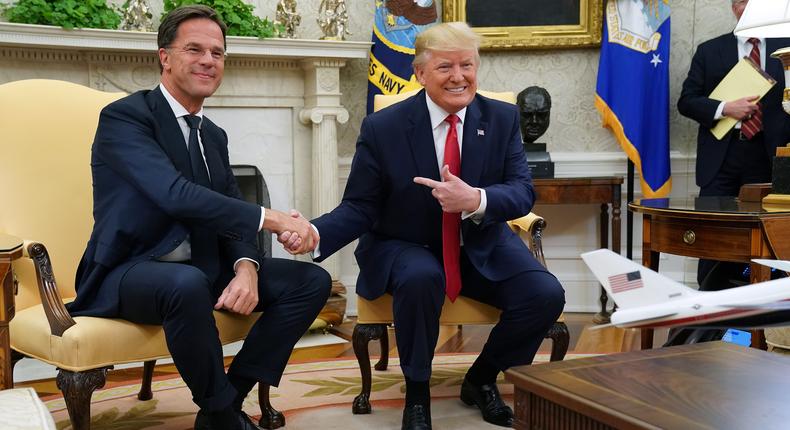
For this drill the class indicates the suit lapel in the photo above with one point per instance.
(419, 134)
(474, 148)
(172, 139)
(729, 53)
(213, 158)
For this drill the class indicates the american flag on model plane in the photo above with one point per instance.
(625, 282)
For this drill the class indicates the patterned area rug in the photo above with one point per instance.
(312, 395)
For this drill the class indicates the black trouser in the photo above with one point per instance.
(180, 298)
(746, 162)
(530, 303)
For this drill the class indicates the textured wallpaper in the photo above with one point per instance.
(568, 75)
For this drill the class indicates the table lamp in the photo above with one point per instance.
(771, 19)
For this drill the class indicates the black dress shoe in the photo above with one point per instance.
(416, 417)
(235, 421)
(486, 397)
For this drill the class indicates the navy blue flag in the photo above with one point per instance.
(395, 28)
(632, 93)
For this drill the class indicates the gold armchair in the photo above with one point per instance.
(373, 317)
(47, 129)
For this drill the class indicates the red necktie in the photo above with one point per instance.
(451, 222)
(753, 125)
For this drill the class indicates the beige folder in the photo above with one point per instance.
(745, 79)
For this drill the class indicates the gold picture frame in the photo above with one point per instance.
(585, 33)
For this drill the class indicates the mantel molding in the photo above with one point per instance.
(49, 37)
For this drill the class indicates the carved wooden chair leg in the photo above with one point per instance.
(270, 418)
(77, 388)
(384, 358)
(148, 375)
(363, 334)
(560, 340)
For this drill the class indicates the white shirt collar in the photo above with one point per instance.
(744, 41)
(178, 109)
(438, 115)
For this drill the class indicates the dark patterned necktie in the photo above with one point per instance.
(205, 251)
(753, 124)
(451, 222)
(199, 172)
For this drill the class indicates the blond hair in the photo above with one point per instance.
(447, 36)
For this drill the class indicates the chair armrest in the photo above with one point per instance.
(57, 315)
(532, 225)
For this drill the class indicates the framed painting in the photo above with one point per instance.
(530, 24)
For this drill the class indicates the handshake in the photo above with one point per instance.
(293, 231)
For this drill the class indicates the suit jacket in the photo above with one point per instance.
(711, 62)
(389, 212)
(145, 204)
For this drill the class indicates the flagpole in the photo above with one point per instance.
(629, 216)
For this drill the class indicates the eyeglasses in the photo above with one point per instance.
(197, 52)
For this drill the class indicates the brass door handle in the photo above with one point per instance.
(689, 237)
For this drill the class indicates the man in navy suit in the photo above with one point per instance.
(741, 157)
(173, 240)
(433, 182)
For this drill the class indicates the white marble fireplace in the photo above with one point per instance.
(279, 101)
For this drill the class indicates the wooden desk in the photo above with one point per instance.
(602, 190)
(712, 385)
(716, 228)
(10, 250)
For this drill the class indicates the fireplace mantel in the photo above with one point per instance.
(43, 36)
(279, 100)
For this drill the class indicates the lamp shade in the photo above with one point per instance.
(765, 19)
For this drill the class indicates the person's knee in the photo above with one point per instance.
(551, 295)
(317, 281)
(191, 290)
(419, 279)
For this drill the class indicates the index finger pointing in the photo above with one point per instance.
(427, 182)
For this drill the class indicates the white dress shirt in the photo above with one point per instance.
(184, 250)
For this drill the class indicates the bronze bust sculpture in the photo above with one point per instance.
(534, 103)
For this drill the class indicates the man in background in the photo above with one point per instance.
(745, 154)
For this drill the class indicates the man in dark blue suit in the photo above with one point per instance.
(173, 240)
(741, 157)
(445, 168)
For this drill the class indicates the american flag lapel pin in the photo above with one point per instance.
(481, 132)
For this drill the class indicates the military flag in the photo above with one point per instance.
(632, 93)
(395, 28)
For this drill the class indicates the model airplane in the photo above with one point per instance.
(647, 299)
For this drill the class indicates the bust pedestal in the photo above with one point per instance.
(539, 161)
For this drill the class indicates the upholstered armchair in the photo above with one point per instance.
(47, 129)
(373, 317)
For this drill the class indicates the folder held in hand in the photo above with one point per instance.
(745, 79)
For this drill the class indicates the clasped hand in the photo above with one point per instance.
(453, 194)
(298, 236)
(742, 108)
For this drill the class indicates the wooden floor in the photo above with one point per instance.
(469, 338)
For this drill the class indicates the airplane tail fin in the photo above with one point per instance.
(630, 284)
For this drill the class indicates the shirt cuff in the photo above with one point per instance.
(719, 112)
(263, 217)
(316, 252)
(257, 266)
(477, 216)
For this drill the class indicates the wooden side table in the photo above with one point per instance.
(716, 228)
(10, 250)
(603, 190)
